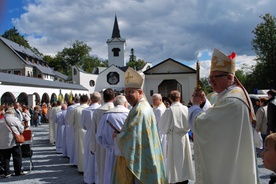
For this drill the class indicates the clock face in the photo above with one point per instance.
(113, 78)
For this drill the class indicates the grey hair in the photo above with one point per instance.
(10, 110)
(233, 77)
(119, 100)
(157, 95)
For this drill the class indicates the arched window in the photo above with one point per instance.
(7, 98)
(75, 71)
(167, 86)
(23, 98)
(45, 98)
(116, 52)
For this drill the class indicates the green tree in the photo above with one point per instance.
(56, 62)
(264, 45)
(36, 51)
(241, 75)
(132, 57)
(14, 36)
(75, 55)
(205, 85)
(48, 58)
(136, 65)
(104, 63)
(133, 63)
(90, 63)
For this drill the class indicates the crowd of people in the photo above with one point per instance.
(126, 138)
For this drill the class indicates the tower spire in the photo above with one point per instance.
(116, 30)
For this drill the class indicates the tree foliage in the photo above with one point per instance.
(13, 35)
(132, 57)
(90, 63)
(205, 85)
(264, 45)
(57, 63)
(75, 55)
(36, 51)
(133, 63)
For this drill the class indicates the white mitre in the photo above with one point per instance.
(222, 62)
(133, 79)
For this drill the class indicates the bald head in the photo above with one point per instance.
(156, 99)
(63, 107)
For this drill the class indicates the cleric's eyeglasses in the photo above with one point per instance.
(216, 76)
(130, 92)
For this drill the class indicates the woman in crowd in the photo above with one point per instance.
(8, 145)
(261, 118)
(26, 117)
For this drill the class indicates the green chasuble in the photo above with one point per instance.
(140, 146)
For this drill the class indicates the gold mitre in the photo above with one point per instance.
(133, 79)
(222, 62)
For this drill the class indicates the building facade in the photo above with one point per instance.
(26, 78)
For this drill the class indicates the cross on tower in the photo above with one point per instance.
(128, 77)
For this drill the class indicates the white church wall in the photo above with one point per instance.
(188, 82)
(88, 81)
(102, 81)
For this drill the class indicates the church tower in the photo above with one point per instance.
(116, 47)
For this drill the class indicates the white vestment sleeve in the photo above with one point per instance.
(193, 113)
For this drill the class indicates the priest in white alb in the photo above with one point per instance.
(115, 116)
(86, 120)
(60, 129)
(79, 132)
(70, 140)
(55, 110)
(177, 150)
(95, 148)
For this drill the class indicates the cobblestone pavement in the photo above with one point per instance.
(50, 167)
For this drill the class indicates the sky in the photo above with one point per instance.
(184, 30)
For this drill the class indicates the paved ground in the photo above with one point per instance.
(50, 167)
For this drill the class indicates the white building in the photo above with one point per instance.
(22, 74)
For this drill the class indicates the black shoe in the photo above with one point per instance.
(7, 175)
(22, 173)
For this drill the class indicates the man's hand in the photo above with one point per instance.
(198, 96)
(114, 134)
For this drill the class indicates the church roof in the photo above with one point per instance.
(116, 30)
(15, 80)
(61, 75)
(169, 66)
(16, 47)
(22, 51)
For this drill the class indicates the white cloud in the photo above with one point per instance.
(156, 29)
